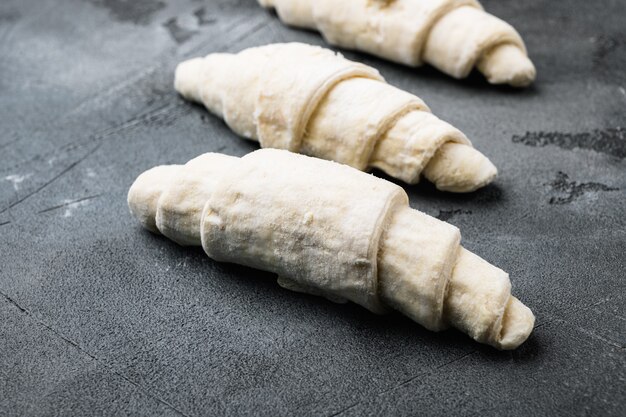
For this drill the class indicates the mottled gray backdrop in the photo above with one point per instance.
(98, 316)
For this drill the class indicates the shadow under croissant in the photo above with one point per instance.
(491, 193)
(261, 288)
(426, 190)
(436, 80)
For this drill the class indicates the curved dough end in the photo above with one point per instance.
(517, 324)
(145, 192)
(507, 64)
(459, 168)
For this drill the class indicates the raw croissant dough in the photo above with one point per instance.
(328, 229)
(451, 35)
(308, 99)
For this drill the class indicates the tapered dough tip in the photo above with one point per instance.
(517, 324)
(187, 76)
(460, 168)
(144, 194)
(479, 303)
(507, 64)
(196, 75)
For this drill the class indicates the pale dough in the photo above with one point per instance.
(310, 100)
(328, 229)
(451, 35)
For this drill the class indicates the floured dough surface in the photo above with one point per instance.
(310, 100)
(259, 216)
(331, 230)
(451, 35)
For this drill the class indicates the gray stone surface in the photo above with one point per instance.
(101, 317)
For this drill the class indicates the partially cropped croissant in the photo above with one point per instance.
(330, 230)
(451, 35)
(310, 100)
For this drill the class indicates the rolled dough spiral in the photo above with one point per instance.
(328, 229)
(451, 35)
(310, 100)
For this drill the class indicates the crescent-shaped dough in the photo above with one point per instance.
(451, 35)
(310, 100)
(328, 229)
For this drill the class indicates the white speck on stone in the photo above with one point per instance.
(91, 173)
(622, 90)
(16, 180)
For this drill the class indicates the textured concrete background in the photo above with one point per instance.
(98, 316)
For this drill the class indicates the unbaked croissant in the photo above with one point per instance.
(451, 35)
(328, 229)
(310, 100)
